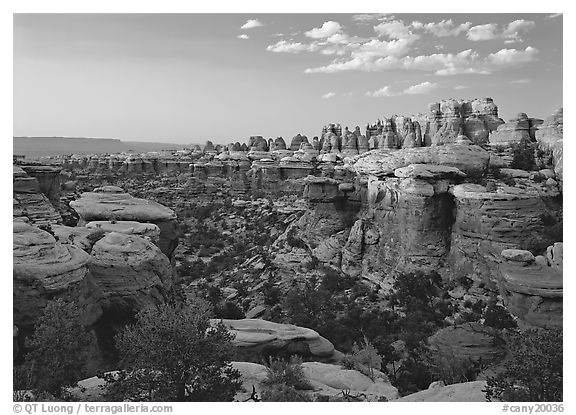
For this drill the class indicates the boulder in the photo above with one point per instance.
(255, 337)
(43, 269)
(120, 206)
(145, 230)
(471, 160)
(472, 341)
(130, 272)
(458, 392)
(534, 291)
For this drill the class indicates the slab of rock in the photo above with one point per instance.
(147, 230)
(255, 336)
(80, 236)
(325, 380)
(458, 392)
(518, 255)
(470, 159)
(533, 292)
(330, 380)
(110, 204)
(428, 171)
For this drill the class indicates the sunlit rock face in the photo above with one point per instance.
(550, 138)
(256, 337)
(532, 288)
(112, 203)
(486, 222)
(43, 269)
(29, 202)
(129, 271)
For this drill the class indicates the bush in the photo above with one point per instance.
(523, 156)
(58, 351)
(366, 355)
(498, 317)
(534, 371)
(173, 354)
(285, 382)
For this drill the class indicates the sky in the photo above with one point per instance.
(188, 78)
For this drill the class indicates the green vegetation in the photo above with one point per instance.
(173, 354)
(534, 371)
(285, 381)
(58, 351)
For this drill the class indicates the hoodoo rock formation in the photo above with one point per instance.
(43, 269)
(112, 203)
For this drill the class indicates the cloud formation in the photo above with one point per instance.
(443, 28)
(482, 32)
(329, 95)
(243, 36)
(395, 45)
(251, 24)
(328, 29)
(418, 89)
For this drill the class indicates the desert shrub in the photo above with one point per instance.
(534, 372)
(173, 354)
(58, 351)
(498, 317)
(366, 355)
(523, 156)
(285, 381)
(449, 368)
(229, 310)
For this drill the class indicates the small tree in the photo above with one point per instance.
(285, 381)
(174, 354)
(366, 357)
(534, 371)
(58, 350)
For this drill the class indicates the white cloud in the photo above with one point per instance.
(443, 64)
(329, 95)
(364, 18)
(382, 92)
(251, 24)
(510, 57)
(395, 29)
(516, 27)
(382, 48)
(328, 29)
(482, 32)
(459, 87)
(284, 46)
(418, 89)
(521, 81)
(443, 28)
(243, 36)
(555, 15)
(423, 88)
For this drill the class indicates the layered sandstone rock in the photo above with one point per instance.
(469, 341)
(512, 132)
(110, 203)
(470, 159)
(255, 337)
(550, 138)
(30, 202)
(43, 269)
(130, 272)
(458, 392)
(487, 222)
(145, 230)
(533, 290)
